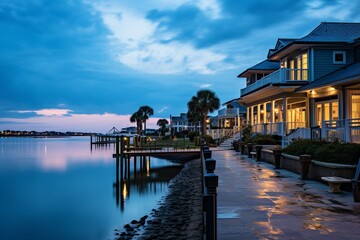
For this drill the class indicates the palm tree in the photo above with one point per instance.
(162, 124)
(137, 117)
(145, 112)
(200, 105)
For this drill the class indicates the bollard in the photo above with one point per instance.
(205, 148)
(305, 161)
(356, 190)
(249, 149)
(207, 153)
(210, 165)
(210, 201)
(242, 148)
(277, 157)
(258, 153)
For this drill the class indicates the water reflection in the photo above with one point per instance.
(62, 189)
(136, 174)
(49, 154)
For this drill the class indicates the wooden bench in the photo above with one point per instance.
(335, 183)
(253, 154)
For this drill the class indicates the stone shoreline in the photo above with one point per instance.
(179, 215)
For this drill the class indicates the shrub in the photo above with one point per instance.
(302, 146)
(331, 152)
(264, 139)
(192, 135)
(347, 153)
(208, 139)
(167, 137)
(247, 134)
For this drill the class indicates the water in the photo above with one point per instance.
(58, 188)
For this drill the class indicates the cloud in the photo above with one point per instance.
(147, 47)
(48, 112)
(163, 109)
(338, 10)
(207, 85)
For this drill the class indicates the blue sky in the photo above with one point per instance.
(87, 65)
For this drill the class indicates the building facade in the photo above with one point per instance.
(308, 87)
(182, 123)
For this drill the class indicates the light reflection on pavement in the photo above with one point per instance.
(256, 201)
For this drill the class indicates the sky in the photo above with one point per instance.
(88, 65)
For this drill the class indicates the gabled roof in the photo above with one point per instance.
(326, 32)
(281, 42)
(264, 66)
(338, 77)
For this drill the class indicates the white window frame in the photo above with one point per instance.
(344, 57)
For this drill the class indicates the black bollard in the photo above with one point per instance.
(210, 201)
(277, 157)
(305, 161)
(210, 165)
(258, 153)
(207, 153)
(249, 149)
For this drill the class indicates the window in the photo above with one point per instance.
(298, 67)
(339, 57)
(327, 111)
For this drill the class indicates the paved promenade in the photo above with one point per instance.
(255, 201)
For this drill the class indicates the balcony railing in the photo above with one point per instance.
(283, 75)
(228, 112)
(344, 130)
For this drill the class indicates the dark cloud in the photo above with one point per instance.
(238, 19)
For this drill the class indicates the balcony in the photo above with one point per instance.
(283, 75)
(228, 113)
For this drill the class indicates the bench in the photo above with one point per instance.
(335, 183)
(253, 154)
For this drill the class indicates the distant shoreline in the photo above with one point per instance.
(42, 136)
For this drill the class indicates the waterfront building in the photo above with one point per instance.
(182, 123)
(308, 87)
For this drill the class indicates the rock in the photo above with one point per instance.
(134, 222)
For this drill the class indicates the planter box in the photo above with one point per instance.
(267, 156)
(291, 163)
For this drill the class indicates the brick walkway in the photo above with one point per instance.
(255, 201)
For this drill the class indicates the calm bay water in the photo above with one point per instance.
(60, 188)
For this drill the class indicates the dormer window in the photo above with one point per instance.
(339, 57)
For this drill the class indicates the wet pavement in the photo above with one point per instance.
(256, 201)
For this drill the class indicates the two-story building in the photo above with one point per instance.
(308, 87)
(182, 123)
(232, 115)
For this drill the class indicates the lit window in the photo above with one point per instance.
(339, 57)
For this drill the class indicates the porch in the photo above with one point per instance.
(281, 76)
(346, 130)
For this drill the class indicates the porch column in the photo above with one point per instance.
(265, 130)
(252, 116)
(307, 112)
(272, 117)
(284, 106)
(248, 115)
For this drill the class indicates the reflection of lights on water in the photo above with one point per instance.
(45, 150)
(148, 168)
(125, 192)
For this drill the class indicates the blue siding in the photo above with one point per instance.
(323, 61)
